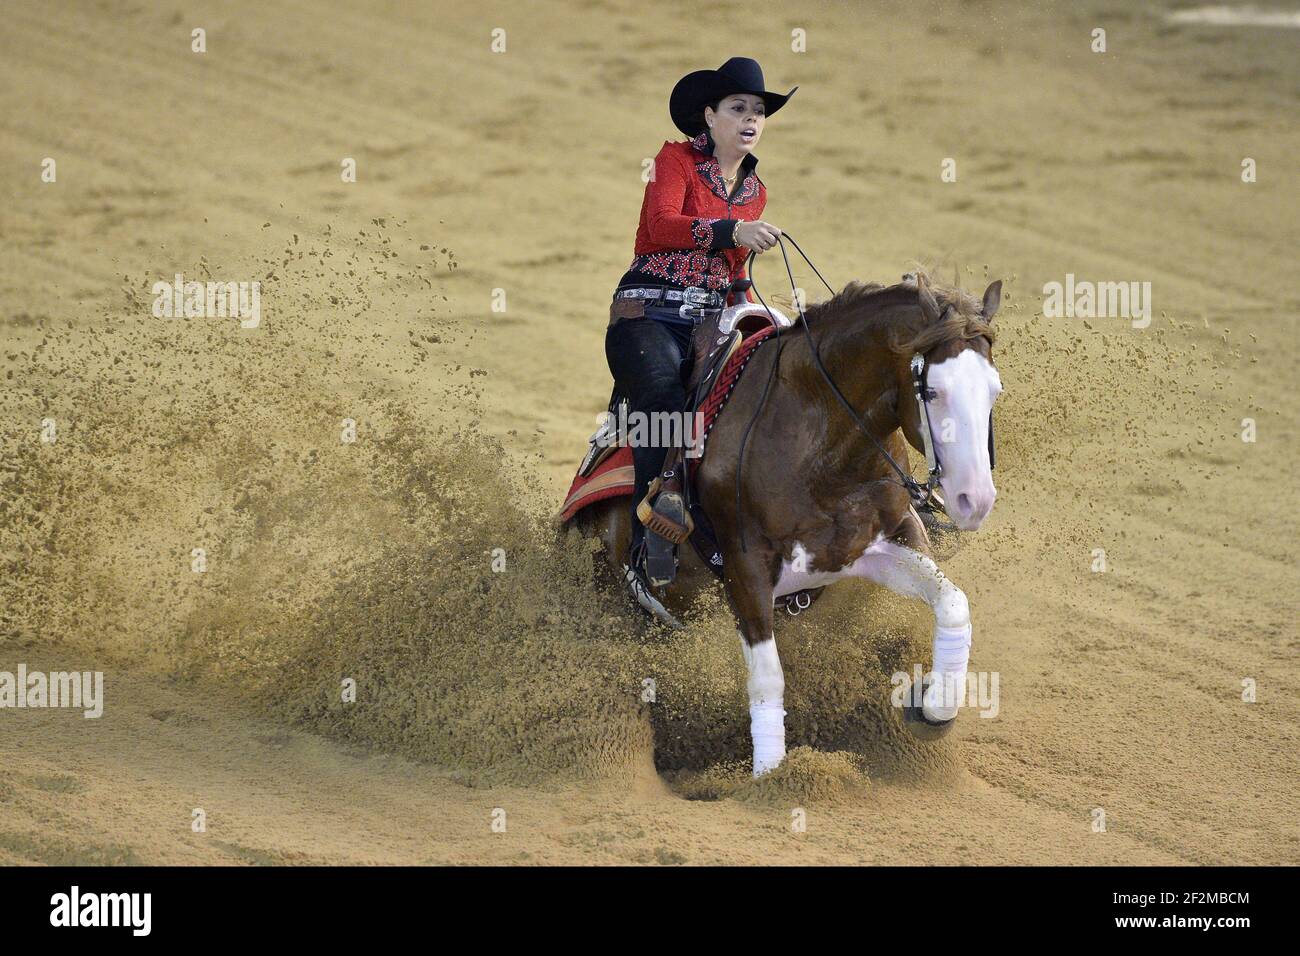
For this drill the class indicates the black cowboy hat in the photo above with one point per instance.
(693, 91)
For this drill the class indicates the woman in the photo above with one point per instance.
(699, 221)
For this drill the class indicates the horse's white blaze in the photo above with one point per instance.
(965, 388)
(915, 575)
(766, 686)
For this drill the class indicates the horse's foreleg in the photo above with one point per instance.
(750, 592)
(909, 572)
(766, 686)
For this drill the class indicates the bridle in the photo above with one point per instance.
(924, 494)
(920, 369)
(921, 389)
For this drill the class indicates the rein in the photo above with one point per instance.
(921, 493)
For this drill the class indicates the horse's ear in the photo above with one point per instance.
(992, 299)
(929, 304)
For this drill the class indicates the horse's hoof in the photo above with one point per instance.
(921, 726)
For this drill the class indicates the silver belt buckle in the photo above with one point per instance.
(694, 301)
(696, 296)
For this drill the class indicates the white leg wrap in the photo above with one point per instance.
(766, 706)
(767, 727)
(913, 574)
(951, 660)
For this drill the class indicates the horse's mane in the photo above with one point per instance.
(960, 313)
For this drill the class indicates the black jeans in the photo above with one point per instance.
(650, 358)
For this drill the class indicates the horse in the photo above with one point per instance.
(809, 484)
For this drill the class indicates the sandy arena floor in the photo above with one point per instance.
(520, 171)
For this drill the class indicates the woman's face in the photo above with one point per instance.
(737, 123)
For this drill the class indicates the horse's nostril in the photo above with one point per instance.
(964, 504)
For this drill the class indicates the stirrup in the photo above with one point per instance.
(664, 513)
(667, 524)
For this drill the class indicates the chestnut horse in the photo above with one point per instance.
(825, 492)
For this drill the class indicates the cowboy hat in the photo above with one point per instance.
(693, 91)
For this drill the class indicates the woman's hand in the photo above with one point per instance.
(757, 236)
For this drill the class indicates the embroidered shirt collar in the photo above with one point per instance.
(703, 143)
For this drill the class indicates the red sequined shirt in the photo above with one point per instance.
(687, 218)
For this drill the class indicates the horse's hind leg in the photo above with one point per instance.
(611, 522)
(751, 600)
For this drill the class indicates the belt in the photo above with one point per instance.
(693, 297)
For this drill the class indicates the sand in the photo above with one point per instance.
(515, 695)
